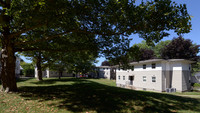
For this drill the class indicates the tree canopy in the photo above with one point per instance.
(32, 25)
(105, 63)
(180, 48)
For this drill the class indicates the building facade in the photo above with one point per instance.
(17, 67)
(48, 74)
(108, 72)
(156, 75)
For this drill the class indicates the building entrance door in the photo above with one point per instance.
(131, 78)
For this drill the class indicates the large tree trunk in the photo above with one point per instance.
(60, 74)
(8, 65)
(7, 54)
(39, 67)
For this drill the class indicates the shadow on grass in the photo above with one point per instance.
(23, 79)
(85, 95)
(20, 80)
(53, 81)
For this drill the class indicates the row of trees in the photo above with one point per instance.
(89, 26)
(178, 48)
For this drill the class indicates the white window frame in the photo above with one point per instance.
(123, 77)
(144, 78)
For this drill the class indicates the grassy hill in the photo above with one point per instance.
(92, 95)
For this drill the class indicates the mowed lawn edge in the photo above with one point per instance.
(90, 95)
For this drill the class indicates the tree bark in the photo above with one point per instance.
(8, 59)
(60, 74)
(8, 65)
(39, 67)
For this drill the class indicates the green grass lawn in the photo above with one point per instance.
(90, 95)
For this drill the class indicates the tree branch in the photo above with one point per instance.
(47, 49)
(41, 40)
(25, 30)
(77, 31)
(2, 3)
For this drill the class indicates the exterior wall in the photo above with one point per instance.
(176, 75)
(44, 73)
(177, 80)
(56, 74)
(148, 84)
(17, 67)
(49, 74)
(164, 84)
(169, 74)
(138, 74)
(104, 73)
(122, 73)
(186, 78)
(53, 74)
(172, 75)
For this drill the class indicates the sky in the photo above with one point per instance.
(193, 9)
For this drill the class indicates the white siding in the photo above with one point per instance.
(104, 73)
(186, 66)
(176, 68)
(139, 67)
(177, 80)
(138, 74)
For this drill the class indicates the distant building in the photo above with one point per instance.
(108, 72)
(48, 74)
(196, 78)
(17, 67)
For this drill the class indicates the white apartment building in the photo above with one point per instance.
(157, 75)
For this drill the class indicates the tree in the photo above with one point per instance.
(71, 62)
(108, 21)
(28, 69)
(105, 63)
(146, 54)
(159, 47)
(156, 47)
(180, 48)
(38, 59)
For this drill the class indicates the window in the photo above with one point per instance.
(119, 69)
(144, 78)
(107, 68)
(144, 66)
(132, 68)
(153, 66)
(119, 77)
(103, 68)
(153, 79)
(123, 77)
